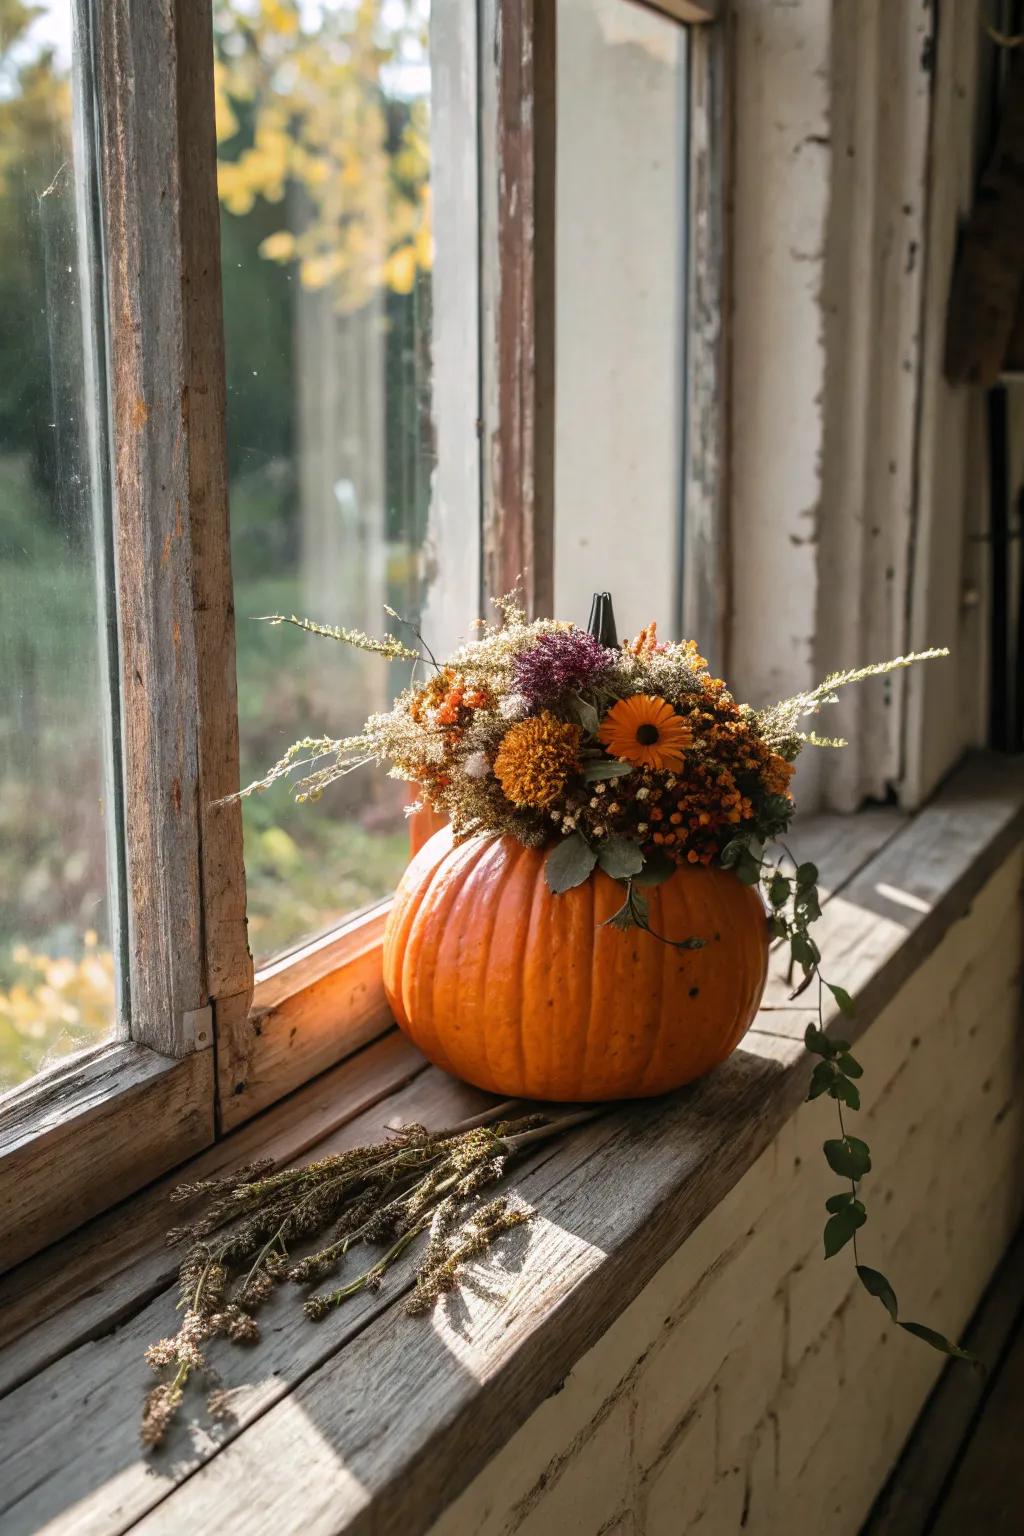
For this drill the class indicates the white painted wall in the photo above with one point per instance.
(621, 155)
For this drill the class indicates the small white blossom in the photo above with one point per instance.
(641, 826)
(568, 823)
(594, 802)
(476, 766)
(599, 831)
(514, 707)
(599, 789)
(643, 792)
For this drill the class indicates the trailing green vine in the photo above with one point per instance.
(794, 904)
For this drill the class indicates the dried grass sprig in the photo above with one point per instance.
(239, 1249)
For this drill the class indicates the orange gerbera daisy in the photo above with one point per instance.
(646, 731)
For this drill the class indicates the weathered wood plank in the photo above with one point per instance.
(228, 963)
(90, 1137)
(304, 1019)
(79, 1417)
(114, 1265)
(518, 162)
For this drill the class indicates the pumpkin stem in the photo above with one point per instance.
(602, 620)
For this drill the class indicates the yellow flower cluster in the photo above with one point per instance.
(536, 758)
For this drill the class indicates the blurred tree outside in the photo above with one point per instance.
(323, 165)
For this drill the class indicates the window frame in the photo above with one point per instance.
(211, 1044)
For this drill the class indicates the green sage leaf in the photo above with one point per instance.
(843, 998)
(605, 768)
(839, 1229)
(877, 1285)
(940, 1342)
(837, 1202)
(849, 1157)
(620, 858)
(778, 890)
(586, 714)
(841, 1088)
(658, 867)
(818, 1042)
(822, 1078)
(569, 863)
(806, 876)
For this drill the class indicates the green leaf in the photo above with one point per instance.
(620, 858)
(658, 867)
(806, 876)
(839, 1229)
(848, 1064)
(843, 998)
(845, 1091)
(732, 852)
(877, 1285)
(849, 1157)
(779, 927)
(837, 1202)
(805, 951)
(940, 1342)
(818, 1042)
(822, 1079)
(586, 714)
(569, 863)
(747, 869)
(778, 890)
(807, 906)
(605, 768)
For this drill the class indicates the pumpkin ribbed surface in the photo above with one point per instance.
(525, 994)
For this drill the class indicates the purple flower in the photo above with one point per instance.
(568, 659)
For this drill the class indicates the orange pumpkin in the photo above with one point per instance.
(524, 993)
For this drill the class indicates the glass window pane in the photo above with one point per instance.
(620, 310)
(325, 125)
(58, 857)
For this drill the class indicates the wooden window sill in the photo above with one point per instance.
(375, 1421)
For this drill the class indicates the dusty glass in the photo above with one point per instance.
(59, 857)
(324, 145)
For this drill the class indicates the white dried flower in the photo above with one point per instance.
(476, 765)
(641, 826)
(599, 789)
(599, 831)
(568, 823)
(514, 707)
(594, 802)
(643, 792)
(614, 808)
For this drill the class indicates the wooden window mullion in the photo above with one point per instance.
(186, 917)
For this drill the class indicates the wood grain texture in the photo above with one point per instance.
(518, 158)
(186, 919)
(325, 1003)
(79, 1417)
(705, 575)
(87, 1138)
(114, 1264)
(389, 1417)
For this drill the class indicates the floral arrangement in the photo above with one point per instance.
(629, 758)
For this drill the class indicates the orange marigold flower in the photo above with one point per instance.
(647, 731)
(536, 758)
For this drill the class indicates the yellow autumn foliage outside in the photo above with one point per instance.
(324, 124)
(57, 1006)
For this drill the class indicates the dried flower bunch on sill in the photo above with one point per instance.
(244, 1244)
